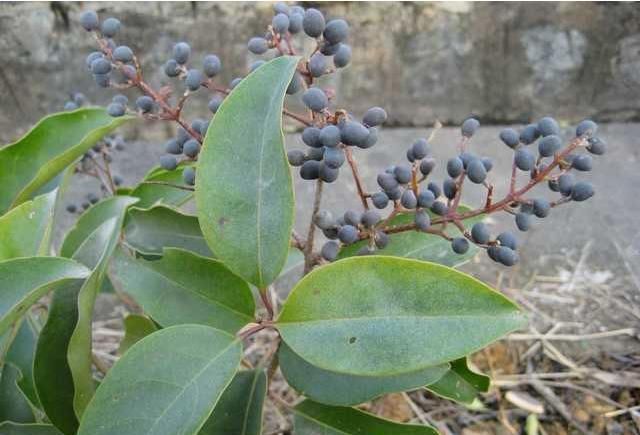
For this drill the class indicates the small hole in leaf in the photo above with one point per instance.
(352, 340)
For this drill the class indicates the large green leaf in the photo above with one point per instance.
(14, 405)
(25, 231)
(183, 287)
(312, 418)
(244, 189)
(239, 410)
(419, 245)
(148, 231)
(25, 280)
(166, 384)
(91, 219)
(345, 390)
(152, 189)
(79, 354)
(380, 316)
(11, 428)
(460, 383)
(49, 147)
(136, 327)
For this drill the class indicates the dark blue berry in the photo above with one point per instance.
(70, 105)
(315, 99)
(336, 31)
(523, 221)
(328, 174)
(408, 199)
(449, 188)
(348, 234)
(89, 20)
(71, 208)
(596, 146)
(334, 157)
(258, 45)
(295, 157)
(281, 8)
(123, 54)
(439, 208)
(480, 233)
(507, 256)
(353, 133)
(311, 137)
(402, 174)
(145, 103)
(235, 82)
(380, 200)
(168, 162)
(488, 163)
(426, 166)
(548, 126)
(317, 65)
(370, 218)
(469, 127)
(181, 52)
(582, 191)
(566, 183)
(422, 220)
(171, 68)
(255, 65)
(211, 65)
(476, 171)
(381, 239)
(371, 140)
(191, 148)
(324, 219)
(420, 149)
(510, 137)
(295, 22)
(313, 22)
(214, 103)
(582, 162)
(508, 239)
(586, 127)
(342, 56)
(524, 160)
(454, 167)
(541, 207)
(116, 110)
(374, 116)
(280, 23)
(352, 217)
(394, 194)
(529, 134)
(330, 250)
(100, 66)
(194, 79)
(173, 147)
(330, 136)
(549, 145)
(434, 188)
(426, 199)
(295, 85)
(310, 170)
(189, 176)
(316, 154)
(110, 27)
(460, 245)
(93, 56)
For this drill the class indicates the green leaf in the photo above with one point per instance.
(14, 405)
(91, 219)
(21, 354)
(345, 390)
(51, 372)
(79, 350)
(11, 428)
(418, 245)
(460, 383)
(244, 191)
(148, 231)
(136, 327)
(151, 192)
(166, 384)
(49, 147)
(312, 418)
(239, 410)
(25, 231)
(183, 287)
(380, 316)
(25, 280)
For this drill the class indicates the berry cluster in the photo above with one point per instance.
(332, 134)
(408, 188)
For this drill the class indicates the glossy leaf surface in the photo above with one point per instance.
(136, 327)
(460, 383)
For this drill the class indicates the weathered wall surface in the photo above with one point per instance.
(504, 62)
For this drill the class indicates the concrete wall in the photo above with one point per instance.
(504, 62)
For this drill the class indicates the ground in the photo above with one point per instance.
(579, 279)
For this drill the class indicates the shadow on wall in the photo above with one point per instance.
(503, 62)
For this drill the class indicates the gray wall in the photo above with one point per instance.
(504, 62)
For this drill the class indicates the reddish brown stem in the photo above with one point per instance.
(356, 177)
